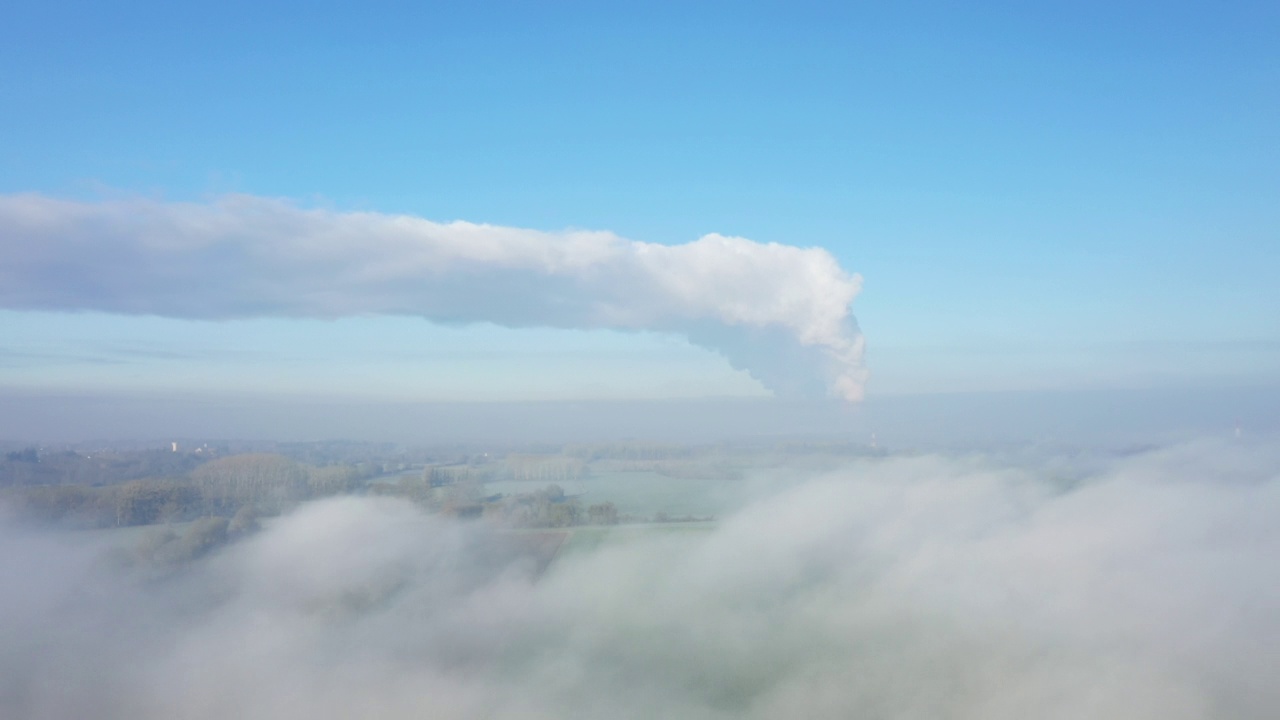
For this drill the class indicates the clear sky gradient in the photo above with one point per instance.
(1082, 196)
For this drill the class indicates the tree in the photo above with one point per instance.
(603, 514)
(202, 536)
(563, 515)
(331, 480)
(245, 521)
(271, 482)
(145, 502)
(29, 455)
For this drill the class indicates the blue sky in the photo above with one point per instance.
(1038, 198)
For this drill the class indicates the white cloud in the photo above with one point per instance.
(780, 312)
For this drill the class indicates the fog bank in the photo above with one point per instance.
(903, 587)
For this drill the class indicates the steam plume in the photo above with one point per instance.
(780, 312)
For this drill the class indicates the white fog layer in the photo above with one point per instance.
(780, 312)
(904, 587)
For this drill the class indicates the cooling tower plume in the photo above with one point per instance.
(780, 312)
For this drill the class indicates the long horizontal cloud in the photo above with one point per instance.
(780, 312)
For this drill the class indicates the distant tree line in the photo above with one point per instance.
(630, 451)
(132, 488)
(257, 483)
(544, 468)
(548, 507)
(30, 467)
(168, 547)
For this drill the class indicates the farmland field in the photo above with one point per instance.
(588, 539)
(644, 493)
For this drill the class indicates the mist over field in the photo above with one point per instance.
(983, 586)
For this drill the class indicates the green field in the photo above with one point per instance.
(643, 494)
(590, 539)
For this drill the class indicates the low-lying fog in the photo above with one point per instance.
(934, 586)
